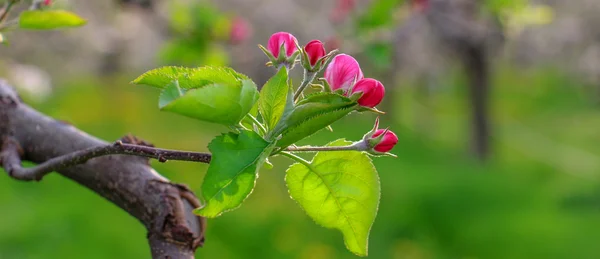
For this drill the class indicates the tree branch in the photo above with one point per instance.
(14, 169)
(164, 208)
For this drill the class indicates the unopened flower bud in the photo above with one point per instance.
(315, 51)
(343, 72)
(388, 141)
(282, 41)
(380, 141)
(372, 92)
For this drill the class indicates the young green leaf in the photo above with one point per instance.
(273, 97)
(312, 114)
(189, 78)
(49, 19)
(338, 190)
(312, 125)
(163, 76)
(171, 92)
(218, 103)
(232, 173)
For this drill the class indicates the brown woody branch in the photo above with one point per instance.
(11, 152)
(128, 181)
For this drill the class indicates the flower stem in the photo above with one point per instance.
(316, 149)
(308, 78)
(297, 159)
(261, 127)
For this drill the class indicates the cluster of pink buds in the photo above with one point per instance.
(47, 2)
(342, 75)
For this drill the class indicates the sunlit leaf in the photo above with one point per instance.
(338, 190)
(233, 170)
(218, 103)
(189, 77)
(273, 97)
(49, 19)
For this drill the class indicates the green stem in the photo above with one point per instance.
(297, 159)
(261, 127)
(316, 149)
(308, 78)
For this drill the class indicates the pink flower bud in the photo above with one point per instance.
(282, 38)
(373, 92)
(240, 30)
(387, 143)
(315, 50)
(342, 72)
(47, 2)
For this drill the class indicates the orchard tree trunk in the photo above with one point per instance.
(460, 26)
(476, 66)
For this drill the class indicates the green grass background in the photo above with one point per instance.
(537, 197)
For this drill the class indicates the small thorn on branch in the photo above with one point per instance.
(161, 159)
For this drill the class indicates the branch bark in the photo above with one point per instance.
(165, 208)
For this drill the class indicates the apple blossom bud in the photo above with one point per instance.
(278, 39)
(343, 72)
(379, 141)
(315, 51)
(388, 141)
(372, 92)
(47, 2)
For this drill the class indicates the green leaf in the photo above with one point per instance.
(171, 92)
(312, 114)
(190, 78)
(338, 190)
(163, 76)
(218, 103)
(273, 98)
(213, 94)
(49, 19)
(232, 172)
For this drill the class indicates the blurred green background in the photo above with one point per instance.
(536, 196)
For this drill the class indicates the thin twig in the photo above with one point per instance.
(12, 163)
(316, 149)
